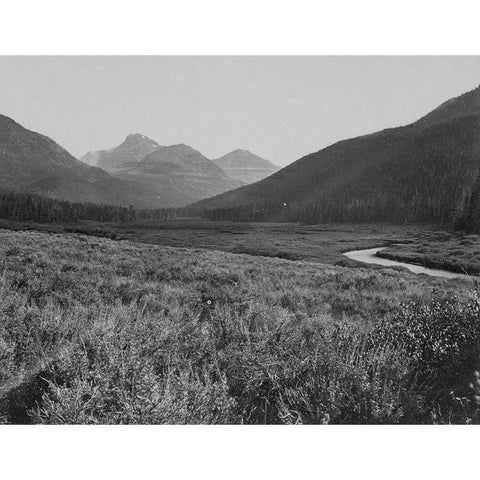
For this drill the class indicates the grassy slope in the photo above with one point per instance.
(98, 331)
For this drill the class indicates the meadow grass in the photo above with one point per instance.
(315, 243)
(114, 332)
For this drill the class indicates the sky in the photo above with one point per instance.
(278, 107)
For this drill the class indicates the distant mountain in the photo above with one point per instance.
(245, 166)
(418, 173)
(179, 174)
(33, 163)
(133, 149)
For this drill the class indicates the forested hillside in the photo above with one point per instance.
(422, 172)
(469, 220)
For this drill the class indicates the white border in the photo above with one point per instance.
(226, 27)
(247, 27)
(242, 452)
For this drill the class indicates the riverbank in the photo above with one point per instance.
(373, 256)
(454, 252)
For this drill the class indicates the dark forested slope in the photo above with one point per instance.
(420, 172)
(469, 216)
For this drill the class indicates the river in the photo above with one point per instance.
(369, 256)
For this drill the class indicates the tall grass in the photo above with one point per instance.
(97, 331)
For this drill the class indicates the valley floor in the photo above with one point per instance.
(94, 330)
(316, 243)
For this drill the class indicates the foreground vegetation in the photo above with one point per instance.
(102, 331)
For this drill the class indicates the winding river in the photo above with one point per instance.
(369, 256)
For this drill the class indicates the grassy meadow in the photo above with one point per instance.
(101, 331)
(314, 243)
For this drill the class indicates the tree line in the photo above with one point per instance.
(462, 214)
(34, 208)
(460, 209)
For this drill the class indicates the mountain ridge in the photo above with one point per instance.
(429, 164)
(135, 147)
(179, 173)
(34, 163)
(463, 105)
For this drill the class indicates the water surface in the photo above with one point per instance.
(369, 256)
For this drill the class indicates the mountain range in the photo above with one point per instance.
(33, 163)
(139, 172)
(421, 172)
(178, 174)
(426, 171)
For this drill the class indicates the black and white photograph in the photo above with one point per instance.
(181, 250)
(230, 239)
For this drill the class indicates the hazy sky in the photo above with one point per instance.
(281, 108)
